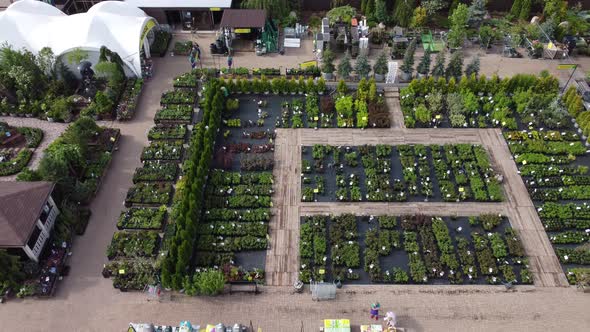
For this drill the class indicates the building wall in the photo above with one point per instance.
(46, 228)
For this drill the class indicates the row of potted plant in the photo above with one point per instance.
(313, 247)
(174, 114)
(166, 132)
(156, 170)
(186, 80)
(276, 86)
(149, 193)
(142, 218)
(128, 102)
(178, 96)
(478, 102)
(163, 150)
(133, 244)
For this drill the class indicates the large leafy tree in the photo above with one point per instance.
(11, 273)
(477, 12)
(402, 12)
(555, 9)
(381, 11)
(20, 77)
(458, 19)
(274, 8)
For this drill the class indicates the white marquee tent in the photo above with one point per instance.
(120, 27)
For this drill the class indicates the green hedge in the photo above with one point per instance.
(188, 214)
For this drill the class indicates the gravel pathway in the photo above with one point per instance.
(51, 130)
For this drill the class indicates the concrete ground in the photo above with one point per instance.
(492, 62)
(87, 302)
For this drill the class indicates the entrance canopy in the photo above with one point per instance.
(243, 18)
(119, 26)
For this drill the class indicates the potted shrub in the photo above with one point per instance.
(321, 86)
(380, 67)
(344, 67)
(328, 64)
(424, 65)
(407, 66)
(301, 88)
(292, 86)
(311, 88)
(362, 66)
(256, 87)
(284, 85)
(265, 85)
(239, 86)
(276, 85)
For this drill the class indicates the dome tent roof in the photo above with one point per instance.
(34, 24)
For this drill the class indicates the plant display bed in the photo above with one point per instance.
(179, 96)
(174, 114)
(411, 249)
(449, 173)
(149, 193)
(15, 146)
(163, 150)
(12, 162)
(519, 102)
(186, 80)
(548, 146)
(363, 108)
(149, 198)
(164, 132)
(554, 167)
(156, 171)
(131, 274)
(142, 218)
(133, 244)
(128, 102)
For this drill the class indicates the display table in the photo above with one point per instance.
(336, 325)
(371, 328)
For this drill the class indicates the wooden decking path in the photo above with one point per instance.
(282, 262)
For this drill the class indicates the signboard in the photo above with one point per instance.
(567, 66)
(148, 26)
(243, 30)
(215, 9)
(312, 63)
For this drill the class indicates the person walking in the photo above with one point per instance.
(375, 310)
(230, 61)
